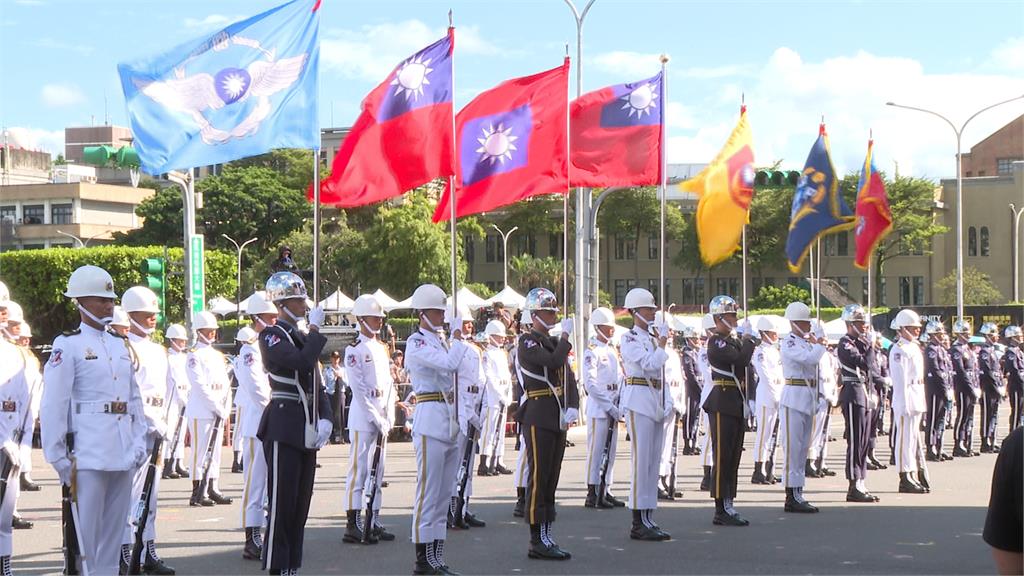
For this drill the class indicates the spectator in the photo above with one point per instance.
(334, 381)
(1004, 526)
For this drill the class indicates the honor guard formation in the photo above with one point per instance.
(115, 407)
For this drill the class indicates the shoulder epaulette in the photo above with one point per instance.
(72, 332)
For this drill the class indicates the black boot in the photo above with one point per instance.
(423, 565)
(663, 489)
(591, 501)
(198, 498)
(124, 562)
(501, 469)
(769, 472)
(378, 531)
(19, 523)
(182, 472)
(253, 544)
(855, 495)
(922, 481)
(641, 531)
(610, 501)
(796, 504)
(168, 472)
(810, 471)
(458, 514)
(5, 566)
(153, 564)
(216, 496)
(520, 509)
(874, 464)
(725, 518)
(471, 518)
(439, 563)
(758, 477)
(236, 465)
(27, 485)
(353, 528)
(705, 483)
(908, 486)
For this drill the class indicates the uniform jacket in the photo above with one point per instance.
(290, 360)
(1013, 367)
(16, 396)
(373, 391)
(544, 356)
(938, 371)
(767, 364)
(642, 358)
(178, 386)
(966, 379)
(472, 386)
(253, 393)
(859, 370)
(828, 378)
(210, 383)
(906, 365)
(728, 355)
(800, 361)
(152, 376)
(691, 371)
(89, 372)
(675, 380)
(991, 374)
(431, 365)
(602, 378)
(498, 377)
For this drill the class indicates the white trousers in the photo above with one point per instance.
(254, 489)
(522, 464)
(706, 447)
(766, 415)
(493, 434)
(7, 513)
(103, 502)
(646, 438)
(597, 436)
(665, 467)
(236, 436)
(461, 451)
(138, 482)
(795, 430)
(436, 464)
(818, 440)
(360, 460)
(201, 429)
(908, 443)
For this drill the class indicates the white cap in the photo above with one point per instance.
(259, 304)
(176, 332)
(765, 324)
(904, 318)
(602, 317)
(639, 298)
(797, 311)
(26, 330)
(495, 328)
(367, 305)
(14, 312)
(246, 334)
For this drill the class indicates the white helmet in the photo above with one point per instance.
(495, 328)
(5, 294)
(90, 281)
(367, 305)
(765, 324)
(428, 297)
(203, 320)
(463, 312)
(14, 312)
(26, 330)
(120, 318)
(905, 318)
(797, 311)
(602, 317)
(707, 322)
(246, 334)
(639, 298)
(284, 286)
(176, 332)
(140, 299)
(258, 304)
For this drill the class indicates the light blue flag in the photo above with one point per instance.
(245, 90)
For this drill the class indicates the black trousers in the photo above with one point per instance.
(693, 411)
(989, 417)
(545, 449)
(936, 422)
(290, 475)
(963, 426)
(858, 434)
(727, 438)
(336, 400)
(1016, 407)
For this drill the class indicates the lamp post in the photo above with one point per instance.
(82, 244)
(1015, 249)
(238, 283)
(959, 193)
(504, 246)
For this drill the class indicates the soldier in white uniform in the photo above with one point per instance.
(676, 384)
(646, 404)
(906, 368)
(828, 398)
(767, 363)
(207, 408)
(142, 306)
(707, 324)
(178, 388)
(431, 363)
(16, 397)
(602, 379)
(92, 421)
(497, 399)
(801, 352)
(470, 397)
(17, 330)
(254, 385)
(522, 471)
(371, 417)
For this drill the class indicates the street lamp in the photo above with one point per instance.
(87, 240)
(1015, 249)
(959, 194)
(504, 246)
(238, 284)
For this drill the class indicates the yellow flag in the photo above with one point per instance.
(725, 188)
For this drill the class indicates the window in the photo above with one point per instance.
(32, 247)
(8, 213)
(842, 244)
(727, 286)
(652, 247)
(698, 291)
(844, 283)
(494, 251)
(829, 245)
(688, 291)
(972, 241)
(524, 244)
(653, 285)
(33, 214)
(984, 241)
(625, 248)
(61, 214)
(904, 290)
(468, 249)
(555, 245)
(883, 297)
(1005, 165)
(621, 287)
(918, 282)
(793, 281)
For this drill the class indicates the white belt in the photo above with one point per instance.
(276, 395)
(101, 407)
(284, 379)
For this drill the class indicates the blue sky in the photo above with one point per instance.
(794, 61)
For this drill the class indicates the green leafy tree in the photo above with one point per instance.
(342, 250)
(163, 219)
(530, 272)
(480, 290)
(779, 296)
(979, 290)
(294, 167)
(636, 212)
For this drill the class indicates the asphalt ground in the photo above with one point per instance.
(937, 533)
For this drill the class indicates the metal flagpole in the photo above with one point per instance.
(451, 188)
(316, 223)
(664, 192)
(817, 278)
(565, 208)
(743, 109)
(810, 269)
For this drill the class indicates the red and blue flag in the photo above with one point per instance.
(874, 217)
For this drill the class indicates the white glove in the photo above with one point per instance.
(670, 410)
(382, 425)
(316, 317)
(13, 453)
(474, 421)
(571, 415)
(567, 326)
(613, 413)
(140, 456)
(63, 468)
(323, 432)
(661, 329)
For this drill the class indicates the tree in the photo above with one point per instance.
(294, 167)
(342, 250)
(779, 296)
(636, 211)
(162, 215)
(979, 290)
(529, 272)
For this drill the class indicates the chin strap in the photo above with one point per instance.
(140, 327)
(546, 326)
(433, 327)
(367, 327)
(203, 339)
(105, 321)
(292, 316)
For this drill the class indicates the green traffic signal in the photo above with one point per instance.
(154, 277)
(776, 178)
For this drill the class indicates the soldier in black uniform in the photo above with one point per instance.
(860, 376)
(967, 388)
(1013, 368)
(938, 387)
(691, 373)
(992, 387)
(550, 404)
(295, 424)
(729, 358)
(882, 385)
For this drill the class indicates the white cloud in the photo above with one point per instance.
(1009, 55)
(210, 22)
(51, 141)
(59, 45)
(60, 95)
(637, 65)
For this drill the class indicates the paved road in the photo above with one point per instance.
(909, 534)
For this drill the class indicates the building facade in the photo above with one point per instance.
(995, 155)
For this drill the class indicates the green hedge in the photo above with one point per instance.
(37, 280)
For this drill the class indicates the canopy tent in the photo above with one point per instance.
(468, 298)
(509, 297)
(222, 306)
(389, 303)
(245, 303)
(337, 302)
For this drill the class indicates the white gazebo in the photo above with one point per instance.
(222, 306)
(468, 298)
(337, 302)
(509, 297)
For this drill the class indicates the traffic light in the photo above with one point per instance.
(154, 275)
(123, 157)
(776, 178)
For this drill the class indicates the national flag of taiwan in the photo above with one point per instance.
(874, 217)
(615, 135)
(403, 137)
(512, 144)
(247, 89)
(818, 208)
(726, 188)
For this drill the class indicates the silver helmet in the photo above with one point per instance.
(989, 329)
(962, 327)
(723, 305)
(854, 313)
(284, 286)
(934, 327)
(540, 299)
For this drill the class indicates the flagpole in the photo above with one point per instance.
(565, 208)
(810, 269)
(451, 188)
(746, 313)
(817, 268)
(316, 222)
(664, 191)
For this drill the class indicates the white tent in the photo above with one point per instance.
(835, 329)
(509, 297)
(337, 302)
(259, 294)
(222, 306)
(389, 303)
(468, 298)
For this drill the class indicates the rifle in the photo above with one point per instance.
(497, 436)
(672, 458)
(923, 466)
(606, 455)
(370, 489)
(72, 547)
(774, 443)
(208, 458)
(143, 506)
(819, 461)
(177, 431)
